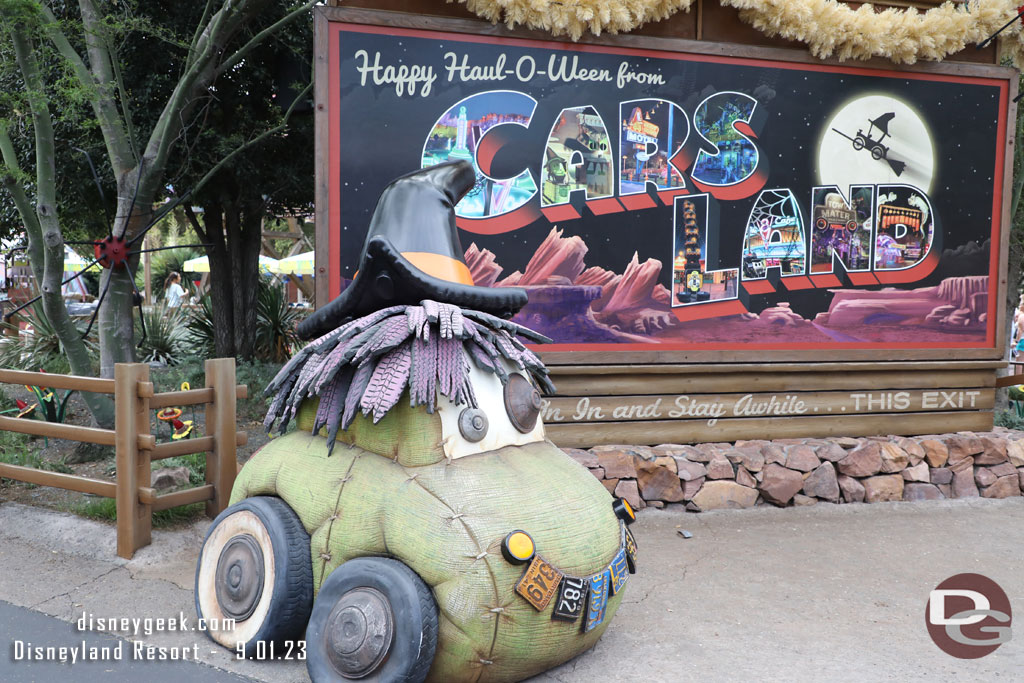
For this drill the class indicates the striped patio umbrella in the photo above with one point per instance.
(202, 265)
(299, 264)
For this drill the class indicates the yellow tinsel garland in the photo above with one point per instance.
(572, 18)
(833, 29)
(828, 27)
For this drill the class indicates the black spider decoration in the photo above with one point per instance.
(113, 252)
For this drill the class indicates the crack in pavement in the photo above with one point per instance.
(68, 592)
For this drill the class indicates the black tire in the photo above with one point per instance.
(413, 623)
(261, 552)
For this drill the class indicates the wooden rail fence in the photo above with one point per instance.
(136, 446)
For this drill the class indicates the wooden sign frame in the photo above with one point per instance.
(623, 375)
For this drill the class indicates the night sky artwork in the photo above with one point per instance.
(888, 187)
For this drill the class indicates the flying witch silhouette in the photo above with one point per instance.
(877, 148)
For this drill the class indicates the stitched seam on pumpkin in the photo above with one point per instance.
(487, 563)
(335, 517)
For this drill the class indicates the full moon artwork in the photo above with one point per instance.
(910, 155)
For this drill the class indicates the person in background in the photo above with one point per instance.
(174, 293)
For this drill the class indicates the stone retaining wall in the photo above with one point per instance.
(805, 471)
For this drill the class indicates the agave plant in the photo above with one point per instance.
(276, 338)
(201, 338)
(166, 339)
(39, 349)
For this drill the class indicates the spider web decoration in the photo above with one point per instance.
(113, 252)
(366, 364)
(778, 208)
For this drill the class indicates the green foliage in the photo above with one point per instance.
(105, 510)
(1011, 419)
(276, 338)
(41, 350)
(18, 449)
(196, 464)
(255, 374)
(201, 329)
(166, 338)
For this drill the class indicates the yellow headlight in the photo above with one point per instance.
(518, 547)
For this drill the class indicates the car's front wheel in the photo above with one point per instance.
(374, 617)
(255, 575)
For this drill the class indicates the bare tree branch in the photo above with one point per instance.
(199, 31)
(46, 243)
(197, 76)
(106, 112)
(10, 181)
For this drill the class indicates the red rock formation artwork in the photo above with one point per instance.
(482, 267)
(572, 303)
(628, 301)
(555, 256)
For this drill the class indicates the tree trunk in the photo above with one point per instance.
(135, 195)
(245, 260)
(45, 242)
(47, 259)
(233, 230)
(221, 280)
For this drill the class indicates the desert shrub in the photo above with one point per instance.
(167, 335)
(42, 349)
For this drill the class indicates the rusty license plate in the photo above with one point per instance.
(539, 583)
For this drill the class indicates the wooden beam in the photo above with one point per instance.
(720, 368)
(619, 409)
(275, 235)
(202, 444)
(192, 397)
(45, 379)
(629, 384)
(221, 420)
(131, 414)
(68, 482)
(198, 494)
(54, 430)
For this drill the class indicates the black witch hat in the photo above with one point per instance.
(412, 252)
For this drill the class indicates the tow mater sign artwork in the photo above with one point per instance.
(668, 201)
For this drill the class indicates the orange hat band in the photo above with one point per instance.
(442, 267)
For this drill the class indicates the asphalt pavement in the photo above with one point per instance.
(825, 593)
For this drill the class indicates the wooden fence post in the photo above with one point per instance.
(221, 424)
(131, 418)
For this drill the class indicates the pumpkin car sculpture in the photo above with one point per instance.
(418, 501)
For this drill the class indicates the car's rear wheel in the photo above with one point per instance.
(255, 569)
(374, 617)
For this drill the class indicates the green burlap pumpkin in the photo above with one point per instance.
(387, 490)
